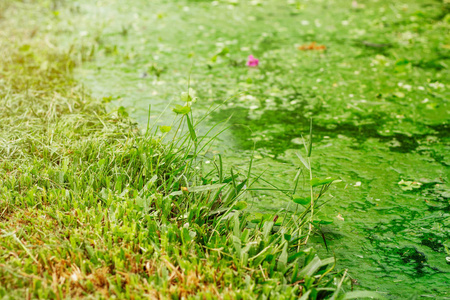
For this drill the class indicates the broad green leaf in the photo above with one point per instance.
(317, 181)
(165, 129)
(237, 227)
(187, 237)
(259, 217)
(315, 264)
(267, 229)
(237, 244)
(279, 221)
(256, 221)
(240, 205)
(302, 200)
(181, 110)
(230, 178)
(306, 295)
(283, 259)
(294, 256)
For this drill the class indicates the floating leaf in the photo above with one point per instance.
(409, 185)
(181, 110)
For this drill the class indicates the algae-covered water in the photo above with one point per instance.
(378, 95)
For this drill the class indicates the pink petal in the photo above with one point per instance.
(252, 61)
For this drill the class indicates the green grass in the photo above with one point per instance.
(92, 208)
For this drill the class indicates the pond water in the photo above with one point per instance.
(378, 96)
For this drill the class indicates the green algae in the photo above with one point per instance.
(378, 96)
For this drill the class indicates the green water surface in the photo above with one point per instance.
(378, 96)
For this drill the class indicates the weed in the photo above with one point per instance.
(90, 207)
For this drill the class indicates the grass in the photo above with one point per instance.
(377, 94)
(92, 208)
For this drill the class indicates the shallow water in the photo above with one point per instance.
(380, 111)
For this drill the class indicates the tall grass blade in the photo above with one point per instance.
(191, 129)
(303, 160)
(310, 139)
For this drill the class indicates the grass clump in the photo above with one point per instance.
(92, 208)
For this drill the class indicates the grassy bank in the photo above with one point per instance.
(90, 207)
